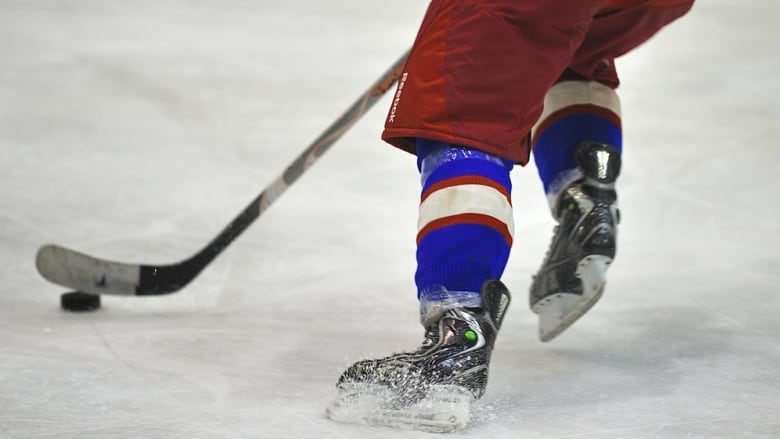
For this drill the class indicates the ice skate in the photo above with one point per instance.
(572, 277)
(432, 388)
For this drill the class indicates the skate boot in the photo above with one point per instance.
(432, 388)
(572, 277)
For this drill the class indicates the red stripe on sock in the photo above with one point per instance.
(591, 109)
(463, 180)
(467, 218)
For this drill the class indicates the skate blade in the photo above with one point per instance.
(559, 311)
(445, 408)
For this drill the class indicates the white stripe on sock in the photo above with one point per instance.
(568, 93)
(468, 198)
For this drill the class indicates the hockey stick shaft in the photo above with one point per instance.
(85, 273)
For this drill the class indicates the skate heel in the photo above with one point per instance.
(560, 310)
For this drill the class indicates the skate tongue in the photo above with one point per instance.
(599, 161)
(495, 299)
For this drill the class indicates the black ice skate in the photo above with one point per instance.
(432, 388)
(572, 277)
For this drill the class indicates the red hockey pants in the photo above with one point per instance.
(479, 69)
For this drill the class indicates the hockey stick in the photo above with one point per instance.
(88, 274)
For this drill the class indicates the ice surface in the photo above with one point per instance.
(136, 130)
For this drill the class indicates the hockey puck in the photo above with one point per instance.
(79, 302)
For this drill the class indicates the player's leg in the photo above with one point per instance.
(464, 237)
(577, 145)
(468, 96)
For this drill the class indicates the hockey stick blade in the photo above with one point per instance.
(88, 274)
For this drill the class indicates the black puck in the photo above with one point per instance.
(79, 302)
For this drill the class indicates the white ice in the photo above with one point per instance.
(136, 130)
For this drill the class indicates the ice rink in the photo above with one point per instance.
(136, 131)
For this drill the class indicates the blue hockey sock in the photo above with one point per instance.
(465, 226)
(575, 112)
